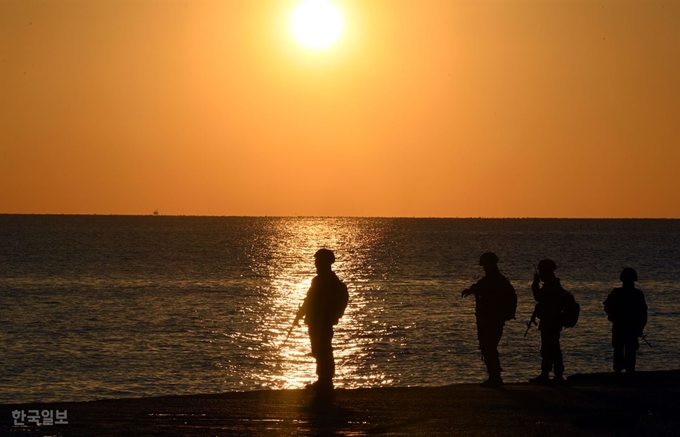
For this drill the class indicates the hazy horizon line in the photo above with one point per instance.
(340, 216)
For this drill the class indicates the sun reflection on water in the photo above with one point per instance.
(288, 268)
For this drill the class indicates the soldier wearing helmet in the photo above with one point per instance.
(548, 310)
(495, 303)
(627, 310)
(322, 308)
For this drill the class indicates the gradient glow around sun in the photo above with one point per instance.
(317, 23)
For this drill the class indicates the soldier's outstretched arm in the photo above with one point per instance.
(468, 291)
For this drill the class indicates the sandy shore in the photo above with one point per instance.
(590, 405)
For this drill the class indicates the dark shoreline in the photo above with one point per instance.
(592, 404)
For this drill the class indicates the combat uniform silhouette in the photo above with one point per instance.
(627, 310)
(495, 303)
(549, 312)
(322, 308)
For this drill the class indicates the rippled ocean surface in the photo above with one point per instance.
(96, 307)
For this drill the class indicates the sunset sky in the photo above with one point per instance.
(491, 108)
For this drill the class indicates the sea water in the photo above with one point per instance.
(96, 307)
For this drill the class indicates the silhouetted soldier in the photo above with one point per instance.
(548, 310)
(627, 310)
(495, 303)
(322, 308)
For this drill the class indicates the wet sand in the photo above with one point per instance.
(591, 405)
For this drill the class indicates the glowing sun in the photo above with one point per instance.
(316, 23)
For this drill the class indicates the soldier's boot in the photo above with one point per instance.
(559, 380)
(542, 379)
(494, 381)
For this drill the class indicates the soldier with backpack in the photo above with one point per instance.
(322, 308)
(496, 302)
(627, 310)
(550, 300)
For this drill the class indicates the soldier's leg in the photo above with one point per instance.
(489, 335)
(631, 346)
(557, 356)
(546, 353)
(490, 352)
(481, 337)
(313, 339)
(546, 360)
(619, 356)
(325, 363)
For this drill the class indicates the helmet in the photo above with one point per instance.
(488, 258)
(547, 265)
(325, 256)
(628, 274)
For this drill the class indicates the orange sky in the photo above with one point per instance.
(496, 108)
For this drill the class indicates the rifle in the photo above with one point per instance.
(530, 322)
(533, 315)
(644, 337)
(298, 316)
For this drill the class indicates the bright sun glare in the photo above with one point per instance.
(316, 23)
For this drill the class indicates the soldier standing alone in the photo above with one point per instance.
(322, 308)
(627, 310)
(549, 310)
(496, 302)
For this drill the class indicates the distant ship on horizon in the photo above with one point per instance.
(155, 212)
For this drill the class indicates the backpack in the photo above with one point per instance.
(508, 301)
(570, 310)
(511, 303)
(340, 300)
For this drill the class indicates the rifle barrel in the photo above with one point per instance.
(290, 330)
(529, 323)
